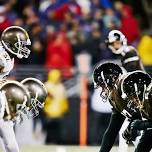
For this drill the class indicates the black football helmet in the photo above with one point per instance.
(134, 86)
(14, 99)
(15, 40)
(38, 94)
(105, 76)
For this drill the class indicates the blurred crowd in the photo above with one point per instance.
(61, 30)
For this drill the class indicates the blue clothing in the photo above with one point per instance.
(106, 3)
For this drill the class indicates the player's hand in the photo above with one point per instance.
(136, 125)
(130, 134)
(127, 135)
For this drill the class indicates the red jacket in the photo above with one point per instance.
(129, 25)
(59, 53)
(4, 24)
(74, 8)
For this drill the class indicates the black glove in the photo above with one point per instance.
(140, 124)
(136, 124)
(130, 134)
(127, 135)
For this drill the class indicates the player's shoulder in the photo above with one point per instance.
(130, 51)
(3, 52)
(1, 47)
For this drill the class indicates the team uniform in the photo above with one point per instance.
(11, 37)
(122, 109)
(130, 62)
(6, 63)
(6, 127)
(145, 125)
(16, 98)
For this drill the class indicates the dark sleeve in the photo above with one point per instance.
(131, 61)
(110, 134)
(143, 125)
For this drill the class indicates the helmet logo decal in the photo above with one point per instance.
(105, 92)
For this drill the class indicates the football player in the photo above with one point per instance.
(13, 100)
(18, 98)
(111, 80)
(105, 77)
(38, 94)
(13, 43)
(117, 43)
(145, 124)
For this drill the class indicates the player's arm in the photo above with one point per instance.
(131, 61)
(141, 124)
(2, 63)
(130, 134)
(6, 63)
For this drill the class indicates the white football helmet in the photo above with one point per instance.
(113, 36)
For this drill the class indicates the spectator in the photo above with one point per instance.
(86, 21)
(59, 54)
(85, 5)
(98, 17)
(132, 32)
(37, 56)
(145, 51)
(111, 21)
(4, 21)
(71, 6)
(30, 16)
(106, 3)
(56, 107)
(95, 45)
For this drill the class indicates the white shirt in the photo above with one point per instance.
(98, 105)
(6, 62)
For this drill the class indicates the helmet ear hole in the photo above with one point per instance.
(117, 36)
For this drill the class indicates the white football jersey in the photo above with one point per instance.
(6, 62)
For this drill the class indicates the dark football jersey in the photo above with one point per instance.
(124, 106)
(130, 60)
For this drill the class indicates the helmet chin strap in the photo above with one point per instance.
(119, 51)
